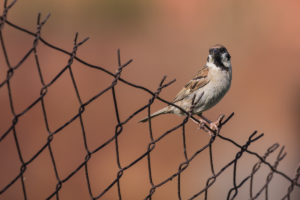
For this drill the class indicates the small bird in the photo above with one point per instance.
(206, 89)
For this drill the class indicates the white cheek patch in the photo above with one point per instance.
(209, 59)
(226, 62)
(210, 64)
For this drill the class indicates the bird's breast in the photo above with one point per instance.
(214, 91)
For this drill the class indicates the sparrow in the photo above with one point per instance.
(205, 90)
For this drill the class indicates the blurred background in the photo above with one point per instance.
(164, 37)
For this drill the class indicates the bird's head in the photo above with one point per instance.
(219, 56)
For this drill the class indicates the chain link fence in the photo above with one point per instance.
(237, 182)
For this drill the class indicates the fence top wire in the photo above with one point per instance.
(97, 194)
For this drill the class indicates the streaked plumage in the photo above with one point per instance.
(213, 80)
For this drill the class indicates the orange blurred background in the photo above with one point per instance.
(165, 37)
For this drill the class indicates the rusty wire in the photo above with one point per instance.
(243, 149)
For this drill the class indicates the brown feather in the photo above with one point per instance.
(197, 82)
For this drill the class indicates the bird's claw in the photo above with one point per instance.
(202, 124)
(215, 126)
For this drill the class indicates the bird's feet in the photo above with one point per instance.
(215, 125)
(201, 123)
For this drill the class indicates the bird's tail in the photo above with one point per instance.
(159, 112)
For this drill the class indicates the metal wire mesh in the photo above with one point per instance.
(231, 194)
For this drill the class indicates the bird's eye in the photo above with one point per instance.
(211, 51)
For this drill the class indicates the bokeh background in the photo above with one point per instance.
(164, 37)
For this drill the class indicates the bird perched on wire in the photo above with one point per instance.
(206, 89)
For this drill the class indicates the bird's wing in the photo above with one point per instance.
(197, 82)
